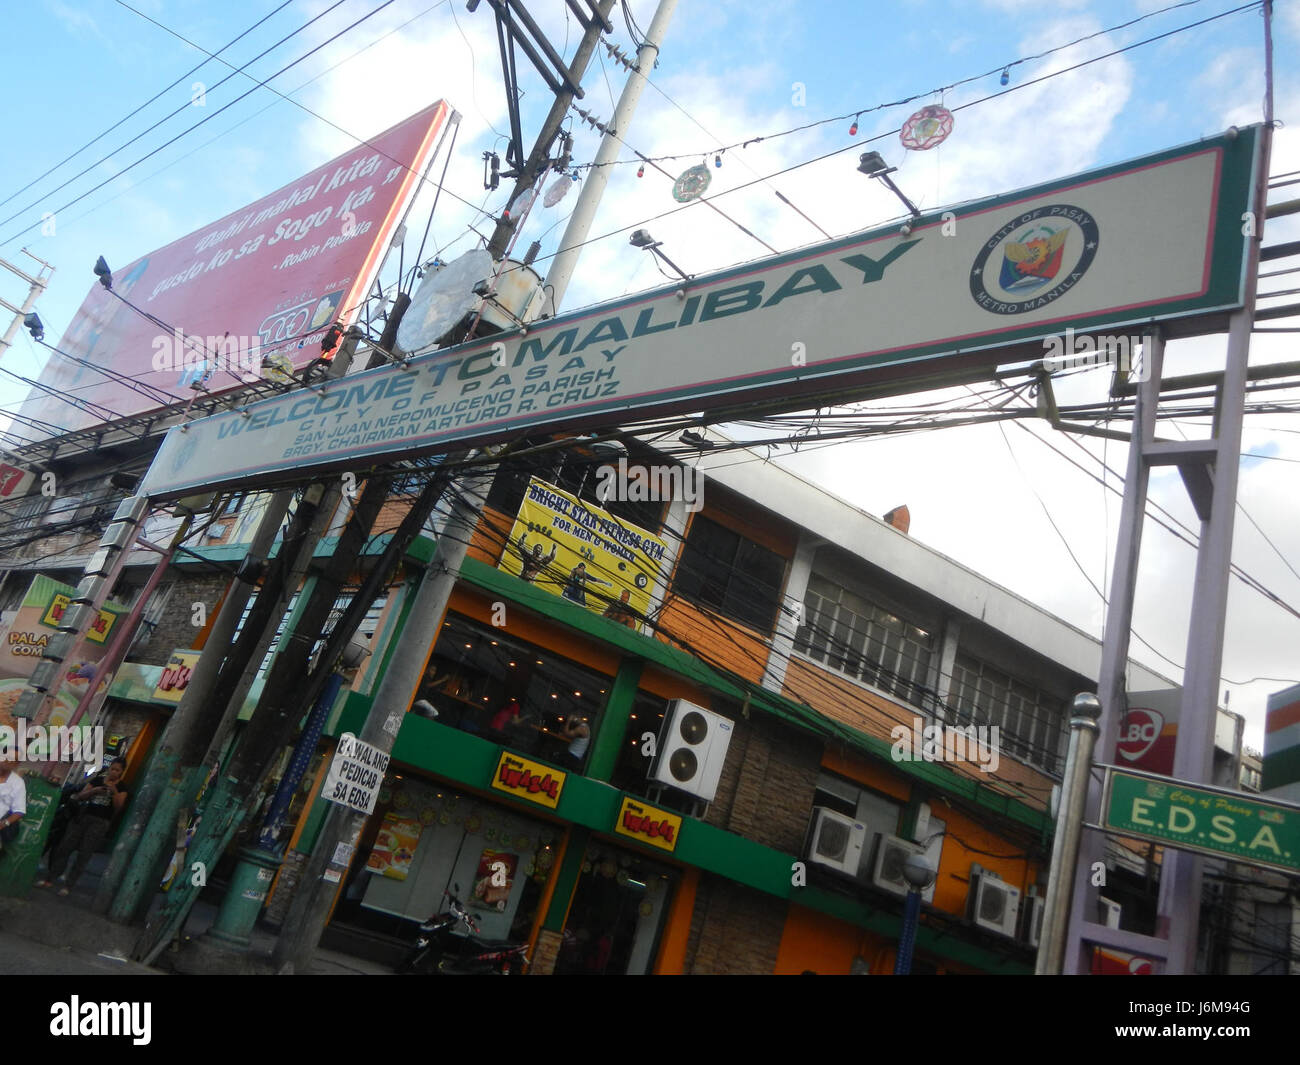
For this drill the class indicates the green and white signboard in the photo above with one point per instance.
(1160, 238)
(1195, 817)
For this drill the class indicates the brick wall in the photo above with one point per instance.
(767, 784)
(176, 628)
(734, 930)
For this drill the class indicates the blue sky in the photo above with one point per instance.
(730, 70)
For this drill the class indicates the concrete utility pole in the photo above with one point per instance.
(584, 211)
(332, 854)
(38, 285)
(540, 157)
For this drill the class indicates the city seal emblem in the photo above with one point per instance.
(1034, 259)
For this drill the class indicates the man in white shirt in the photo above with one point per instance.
(13, 799)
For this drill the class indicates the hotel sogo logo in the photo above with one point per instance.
(1034, 259)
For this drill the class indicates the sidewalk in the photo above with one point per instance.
(74, 937)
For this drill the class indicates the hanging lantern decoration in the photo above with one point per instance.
(926, 128)
(691, 184)
(559, 188)
(717, 160)
(853, 129)
(520, 207)
(640, 170)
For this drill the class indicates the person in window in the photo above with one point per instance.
(507, 720)
(579, 736)
(99, 802)
(534, 562)
(575, 588)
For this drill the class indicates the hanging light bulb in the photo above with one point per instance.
(853, 129)
(574, 175)
(717, 160)
(640, 170)
(1006, 75)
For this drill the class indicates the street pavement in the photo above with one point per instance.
(46, 933)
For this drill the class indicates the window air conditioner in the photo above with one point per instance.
(993, 903)
(1108, 911)
(887, 870)
(836, 840)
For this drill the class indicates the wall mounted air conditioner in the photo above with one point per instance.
(1031, 923)
(836, 840)
(692, 747)
(1108, 911)
(887, 869)
(993, 903)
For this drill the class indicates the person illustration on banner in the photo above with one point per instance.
(575, 587)
(621, 610)
(534, 561)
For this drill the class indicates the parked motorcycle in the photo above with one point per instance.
(441, 948)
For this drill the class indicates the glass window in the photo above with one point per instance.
(721, 569)
(513, 693)
(1031, 722)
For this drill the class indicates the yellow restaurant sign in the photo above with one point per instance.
(528, 780)
(647, 824)
(176, 676)
(99, 628)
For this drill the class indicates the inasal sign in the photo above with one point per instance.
(1157, 238)
(271, 278)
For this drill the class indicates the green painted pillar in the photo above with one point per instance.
(244, 898)
(567, 879)
(608, 740)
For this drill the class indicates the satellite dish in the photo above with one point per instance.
(442, 301)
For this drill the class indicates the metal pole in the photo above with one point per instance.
(1069, 826)
(324, 870)
(907, 940)
(584, 211)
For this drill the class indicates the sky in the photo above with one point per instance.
(1001, 502)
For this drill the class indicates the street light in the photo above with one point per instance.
(642, 239)
(919, 874)
(874, 166)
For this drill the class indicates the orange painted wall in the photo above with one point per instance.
(722, 642)
(965, 840)
(827, 946)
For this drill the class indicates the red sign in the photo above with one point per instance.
(271, 278)
(1145, 742)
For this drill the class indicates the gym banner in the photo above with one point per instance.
(583, 553)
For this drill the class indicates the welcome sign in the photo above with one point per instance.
(1116, 249)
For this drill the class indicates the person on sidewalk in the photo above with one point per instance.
(98, 804)
(13, 801)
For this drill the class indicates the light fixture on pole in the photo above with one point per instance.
(642, 239)
(33, 324)
(919, 874)
(104, 274)
(874, 166)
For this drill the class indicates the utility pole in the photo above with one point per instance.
(332, 854)
(540, 157)
(584, 211)
(37, 285)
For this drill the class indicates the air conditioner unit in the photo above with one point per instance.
(1108, 911)
(1031, 924)
(692, 747)
(887, 869)
(836, 840)
(993, 903)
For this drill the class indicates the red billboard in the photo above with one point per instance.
(269, 279)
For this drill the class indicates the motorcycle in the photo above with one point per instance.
(441, 949)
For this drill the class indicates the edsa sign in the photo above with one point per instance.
(1158, 238)
(1193, 817)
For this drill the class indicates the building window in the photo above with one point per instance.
(721, 569)
(1031, 722)
(854, 636)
